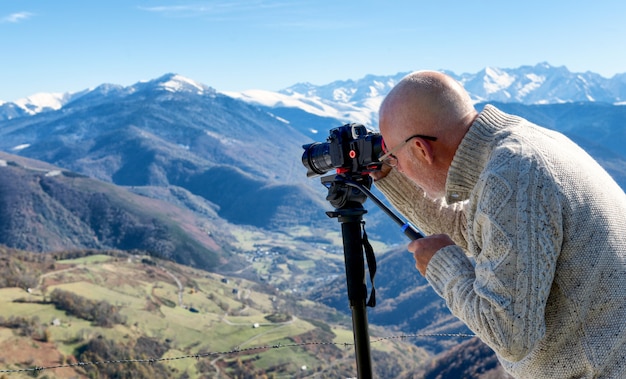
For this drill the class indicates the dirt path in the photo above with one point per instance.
(181, 289)
(51, 273)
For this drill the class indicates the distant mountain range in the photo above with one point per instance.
(173, 132)
(359, 100)
(242, 151)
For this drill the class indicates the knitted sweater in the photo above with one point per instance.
(546, 226)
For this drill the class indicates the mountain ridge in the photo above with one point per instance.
(175, 131)
(47, 208)
(538, 84)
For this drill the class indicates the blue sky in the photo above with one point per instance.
(233, 45)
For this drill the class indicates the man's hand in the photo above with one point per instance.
(424, 249)
(384, 170)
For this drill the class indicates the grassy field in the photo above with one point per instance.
(296, 259)
(190, 311)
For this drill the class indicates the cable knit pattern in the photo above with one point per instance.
(546, 226)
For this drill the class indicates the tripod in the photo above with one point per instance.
(347, 194)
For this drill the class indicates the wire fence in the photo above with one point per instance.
(223, 353)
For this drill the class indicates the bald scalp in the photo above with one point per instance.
(426, 102)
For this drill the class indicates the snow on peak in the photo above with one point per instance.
(43, 101)
(172, 83)
(343, 94)
(533, 82)
(314, 105)
(178, 83)
(275, 99)
(497, 80)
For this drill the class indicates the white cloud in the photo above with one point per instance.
(219, 7)
(225, 9)
(16, 17)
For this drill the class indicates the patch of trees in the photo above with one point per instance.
(22, 269)
(14, 273)
(27, 327)
(101, 313)
(278, 317)
(101, 349)
(471, 359)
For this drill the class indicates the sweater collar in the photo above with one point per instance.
(473, 153)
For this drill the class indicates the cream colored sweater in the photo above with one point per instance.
(546, 226)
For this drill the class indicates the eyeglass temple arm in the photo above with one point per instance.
(408, 229)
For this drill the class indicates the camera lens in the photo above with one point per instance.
(316, 158)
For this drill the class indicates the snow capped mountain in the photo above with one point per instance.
(177, 83)
(175, 131)
(37, 103)
(189, 117)
(351, 101)
(42, 102)
(312, 104)
(358, 101)
(541, 84)
(173, 83)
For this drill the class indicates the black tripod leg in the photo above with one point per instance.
(357, 289)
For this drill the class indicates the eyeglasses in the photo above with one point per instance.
(391, 160)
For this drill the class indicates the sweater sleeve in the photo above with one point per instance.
(432, 217)
(515, 235)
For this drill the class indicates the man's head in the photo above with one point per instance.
(422, 105)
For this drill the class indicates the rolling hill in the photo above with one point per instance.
(44, 208)
(164, 320)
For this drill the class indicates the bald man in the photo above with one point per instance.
(544, 223)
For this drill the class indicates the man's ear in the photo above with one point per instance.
(424, 150)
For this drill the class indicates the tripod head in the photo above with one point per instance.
(342, 195)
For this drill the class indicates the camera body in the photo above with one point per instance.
(350, 148)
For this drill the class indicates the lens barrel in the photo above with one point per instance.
(316, 158)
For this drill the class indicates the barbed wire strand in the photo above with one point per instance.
(231, 352)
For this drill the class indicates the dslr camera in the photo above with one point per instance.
(350, 149)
